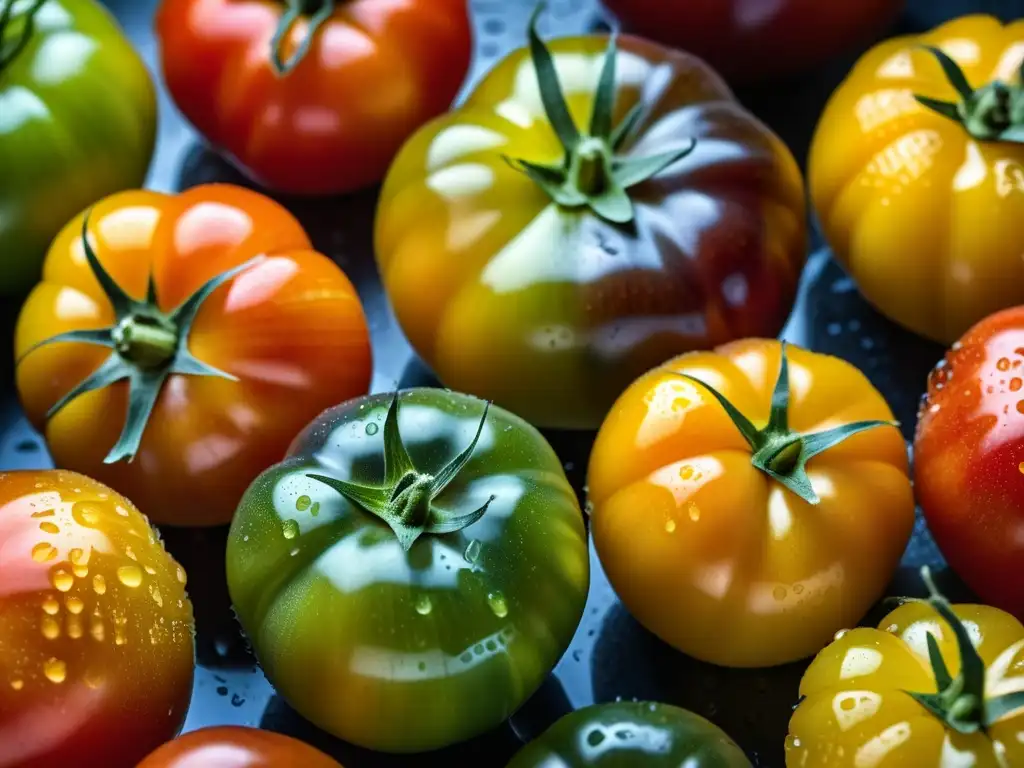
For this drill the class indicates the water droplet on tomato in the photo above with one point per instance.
(130, 553)
(1003, 364)
(595, 738)
(51, 606)
(423, 605)
(74, 605)
(97, 630)
(315, 509)
(154, 592)
(472, 553)
(182, 576)
(56, 671)
(499, 607)
(779, 593)
(43, 512)
(372, 429)
(840, 634)
(685, 472)
(74, 627)
(99, 584)
(17, 683)
(1020, 406)
(303, 503)
(290, 529)
(44, 552)
(670, 526)
(87, 514)
(48, 527)
(798, 589)
(121, 511)
(63, 580)
(693, 511)
(793, 742)
(130, 575)
(50, 629)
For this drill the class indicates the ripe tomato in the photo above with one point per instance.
(969, 458)
(234, 747)
(933, 685)
(632, 733)
(917, 175)
(747, 536)
(595, 253)
(77, 122)
(96, 650)
(750, 40)
(219, 382)
(313, 96)
(411, 614)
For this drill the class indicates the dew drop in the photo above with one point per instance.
(154, 592)
(74, 605)
(97, 630)
(150, 570)
(840, 634)
(372, 429)
(423, 605)
(17, 684)
(793, 742)
(56, 671)
(1016, 383)
(779, 593)
(48, 527)
(315, 509)
(670, 526)
(182, 576)
(1003, 364)
(121, 511)
(290, 529)
(1020, 467)
(595, 738)
(86, 513)
(119, 638)
(472, 553)
(44, 552)
(129, 575)
(694, 511)
(79, 556)
(50, 628)
(303, 503)
(44, 512)
(798, 589)
(99, 584)
(130, 553)
(499, 607)
(63, 580)
(422, 666)
(74, 627)
(1020, 406)
(51, 606)
(81, 571)
(685, 472)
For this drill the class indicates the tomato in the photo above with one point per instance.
(917, 177)
(313, 96)
(749, 40)
(740, 522)
(77, 122)
(235, 747)
(549, 282)
(969, 458)
(631, 733)
(96, 649)
(250, 334)
(415, 613)
(933, 686)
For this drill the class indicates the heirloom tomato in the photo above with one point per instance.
(423, 609)
(235, 747)
(749, 40)
(224, 330)
(565, 256)
(743, 523)
(969, 458)
(934, 686)
(77, 122)
(313, 96)
(628, 734)
(96, 649)
(917, 175)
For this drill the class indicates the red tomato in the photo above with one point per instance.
(235, 747)
(969, 458)
(374, 72)
(749, 40)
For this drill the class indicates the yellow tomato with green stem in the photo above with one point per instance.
(917, 175)
(749, 502)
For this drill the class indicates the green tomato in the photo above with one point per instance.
(632, 734)
(406, 585)
(77, 123)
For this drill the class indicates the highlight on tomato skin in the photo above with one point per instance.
(177, 343)
(237, 747)
(96, 628)
(969, 458)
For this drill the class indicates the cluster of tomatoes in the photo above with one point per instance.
(598, 237)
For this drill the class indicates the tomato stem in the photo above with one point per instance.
(316, 12)
(10, 51)
(148, 342)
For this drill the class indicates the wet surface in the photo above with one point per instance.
(611, 656)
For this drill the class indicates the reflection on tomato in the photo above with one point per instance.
(96, 649)
(229, 384)
(749, 40)
(969, 458)
(234, 747)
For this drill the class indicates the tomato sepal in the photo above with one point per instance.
(28, 27)
(319, 11)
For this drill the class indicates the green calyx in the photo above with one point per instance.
(994, 112)
(778, 451)
(592, 174)
(147, 346)
(406, 500)
(18, 27)
(961, 703)
(317, 12)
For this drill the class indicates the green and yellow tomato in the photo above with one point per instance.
(77, 123)
(628, 734)
(412, 571)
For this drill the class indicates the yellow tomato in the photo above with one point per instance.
(748, 538)
(875, 697)
(923, 204)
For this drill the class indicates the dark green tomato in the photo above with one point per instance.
(632, 734)
(77, 123)
(410, 650)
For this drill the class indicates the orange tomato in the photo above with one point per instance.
(96, 649)
(234, 747)
(289, 330)
(709, 543)
(375, 70)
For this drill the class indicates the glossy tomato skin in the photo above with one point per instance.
(552, 312)
(376, 72)
(365, 639)
(710, 553)
(236, 747)
(626, 734)
(291, 329)
(854, 709)
(96, 648)
(748, 40)
(969, 458)
(79, 123)
(884, 170)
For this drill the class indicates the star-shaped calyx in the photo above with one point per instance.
(406, 499)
